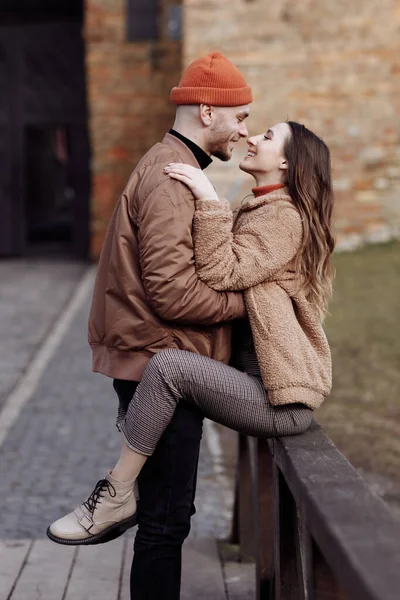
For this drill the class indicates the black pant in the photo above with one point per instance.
(167, 485)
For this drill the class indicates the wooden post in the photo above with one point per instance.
(234, 537)
(246, 491)
(326, 586)
(265, 521)
(304, 553)
(286, 580)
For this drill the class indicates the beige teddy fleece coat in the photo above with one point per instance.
(254, 251)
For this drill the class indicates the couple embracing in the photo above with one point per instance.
(179, 273)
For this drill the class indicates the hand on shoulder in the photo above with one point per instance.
(194, 178)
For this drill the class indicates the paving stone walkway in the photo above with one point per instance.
(32, 294)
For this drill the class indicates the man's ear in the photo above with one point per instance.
(207, 113)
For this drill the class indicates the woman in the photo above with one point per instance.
(277, 250)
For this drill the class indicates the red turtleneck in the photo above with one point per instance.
(262, 190)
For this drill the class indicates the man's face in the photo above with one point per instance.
(227, 127)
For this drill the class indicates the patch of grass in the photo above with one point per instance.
(362, 415)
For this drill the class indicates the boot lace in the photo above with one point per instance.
(101, 486)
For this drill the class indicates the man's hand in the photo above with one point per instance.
(195, 179)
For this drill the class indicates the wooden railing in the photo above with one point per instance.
(313, 527)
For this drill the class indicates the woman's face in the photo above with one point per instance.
(265, 152)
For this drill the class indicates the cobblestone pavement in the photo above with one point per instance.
(65, 437)
(32, 294)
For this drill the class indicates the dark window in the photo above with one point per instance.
(143, 20)
(174, 22)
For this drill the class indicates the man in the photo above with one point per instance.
(147, 297)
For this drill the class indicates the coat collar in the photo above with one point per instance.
(251, 202)
(180, 147)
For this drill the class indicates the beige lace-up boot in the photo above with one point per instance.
(108, 512)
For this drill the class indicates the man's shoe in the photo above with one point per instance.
(108, 512)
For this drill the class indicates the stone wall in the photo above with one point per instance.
(128, 86)
(334, 66)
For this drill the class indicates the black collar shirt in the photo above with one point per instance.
(202, 157)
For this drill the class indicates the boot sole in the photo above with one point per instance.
(107, 535)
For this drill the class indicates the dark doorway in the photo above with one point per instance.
(47, 190)
(44, 147)
(31, 11)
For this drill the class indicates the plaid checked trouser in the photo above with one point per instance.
(222, 393)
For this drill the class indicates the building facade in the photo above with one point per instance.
(44, 145)
(334, 66)
(85, 88)
(133, 59)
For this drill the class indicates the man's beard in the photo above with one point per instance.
(220, 146)
(223, 154)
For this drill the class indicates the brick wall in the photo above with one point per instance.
(128, 86)
(332, 65)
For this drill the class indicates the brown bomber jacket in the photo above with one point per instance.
(147, 295)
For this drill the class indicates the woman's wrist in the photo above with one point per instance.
(208, 199)
(212, 205)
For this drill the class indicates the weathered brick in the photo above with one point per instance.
(333, 66)
(128, 88)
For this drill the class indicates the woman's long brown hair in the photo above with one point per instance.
(310, 187)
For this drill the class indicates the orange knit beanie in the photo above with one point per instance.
(212, 79)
